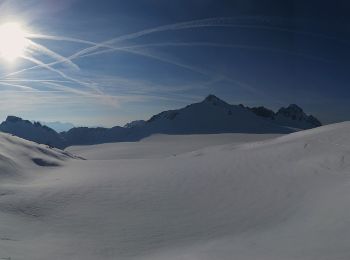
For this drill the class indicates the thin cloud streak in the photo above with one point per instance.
(210, 22)
(42, 49)
(23, 87)
(206, 44)
(63, 75)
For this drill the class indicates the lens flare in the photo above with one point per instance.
(13, 41)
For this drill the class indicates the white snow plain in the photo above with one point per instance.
(241, 197)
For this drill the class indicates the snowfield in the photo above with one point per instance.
(207, 197)
(162, 146)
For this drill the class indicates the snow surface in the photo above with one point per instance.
(161, 146)
(281, 198)
(17, 156)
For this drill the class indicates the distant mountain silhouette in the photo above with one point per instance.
(211, 116)
(135, 123)
(35, 132)
(292, 116)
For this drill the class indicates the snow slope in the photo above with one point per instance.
(18, 156)
(282, 198)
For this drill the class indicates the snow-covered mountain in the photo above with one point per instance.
(211, 116)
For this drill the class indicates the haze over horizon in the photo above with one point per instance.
(166, 55)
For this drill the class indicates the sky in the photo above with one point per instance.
(108, 62)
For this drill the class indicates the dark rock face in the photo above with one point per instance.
(14, 119)
(136, 123)
(98, 135)
(296, 115)
(32, 131)
(214, 100)
(314, 121)
(263, 112)
(292, 111)
(169, 115)
(291, 116)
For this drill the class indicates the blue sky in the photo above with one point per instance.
(167, 54)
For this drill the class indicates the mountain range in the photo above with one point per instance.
(211, 116)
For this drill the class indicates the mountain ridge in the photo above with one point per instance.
(210, 116)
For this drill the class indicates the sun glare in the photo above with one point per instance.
(13, 41)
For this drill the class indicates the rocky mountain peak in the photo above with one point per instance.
(212, 99)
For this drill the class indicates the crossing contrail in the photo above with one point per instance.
(63, 75)
(209, 22)
(206, 44)
(42, 49)
(110, 45)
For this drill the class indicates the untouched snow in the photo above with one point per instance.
(283, 198)
(17, 156)
(161, 146)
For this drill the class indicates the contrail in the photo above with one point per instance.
(60, 38)
(106, 98)
(209, 74)
(205, 44)
(189, 67)
(49, 82)
(34, 80)
(198, 70)
(52, 54)
(44, 65)
(57, 86)
(16, 86)
(209, 22)
(63, 75)
(170, 61)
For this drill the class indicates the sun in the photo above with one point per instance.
(13, 41)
